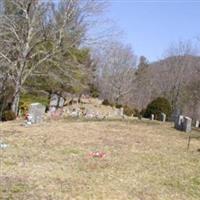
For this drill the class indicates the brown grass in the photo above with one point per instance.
(144, 161)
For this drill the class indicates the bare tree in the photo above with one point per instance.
(179, 63)
(116, 72)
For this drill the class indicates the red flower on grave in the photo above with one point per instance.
(97, 154)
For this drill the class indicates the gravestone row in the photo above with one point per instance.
(163, 117)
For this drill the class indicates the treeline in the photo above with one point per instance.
(176, 77)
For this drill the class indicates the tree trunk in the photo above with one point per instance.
(15, 101)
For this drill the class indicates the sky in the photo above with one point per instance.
(151, 26)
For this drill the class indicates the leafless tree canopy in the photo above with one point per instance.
(116, 71)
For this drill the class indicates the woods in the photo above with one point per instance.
(174, 77)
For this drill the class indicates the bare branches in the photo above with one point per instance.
(116, 72)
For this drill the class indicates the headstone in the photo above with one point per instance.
(54, 100)
(183, 123)
(178, 124)
(197, 124)
(187, 124)
(61, 102)
(163, 117)
(36, 111)
(152, 116)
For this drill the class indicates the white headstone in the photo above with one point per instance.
(197, 124)
(36, 111)
(163, 117)
(152, 116)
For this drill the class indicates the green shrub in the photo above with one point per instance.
(158, 106)
(8, 115)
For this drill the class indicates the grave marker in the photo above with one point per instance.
(163, 117)
(187, 124)
(36, 111)
(152, 116)
(197, 124)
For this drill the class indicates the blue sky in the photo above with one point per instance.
(151, 26)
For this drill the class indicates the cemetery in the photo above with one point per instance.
(99, 100)
(72, 152)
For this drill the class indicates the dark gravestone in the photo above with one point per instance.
(183, 123)
(178, 124)
(187, 124)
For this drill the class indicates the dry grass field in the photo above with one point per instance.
(144, 161)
